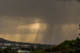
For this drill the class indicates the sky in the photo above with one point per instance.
(39, 21)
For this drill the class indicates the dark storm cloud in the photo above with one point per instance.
(51, 11)
(26, 7)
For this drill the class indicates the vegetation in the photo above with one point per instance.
(68, 46)
(38, 51)
(7, 50)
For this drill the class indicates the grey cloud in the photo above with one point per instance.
(9, 24)
(50, 11)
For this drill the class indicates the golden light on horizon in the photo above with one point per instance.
(28, 32)
(31, 27)
(35, 26)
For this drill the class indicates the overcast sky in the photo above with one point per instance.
(39, 21)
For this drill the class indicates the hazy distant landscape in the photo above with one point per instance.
(39, 26)
(68, 46)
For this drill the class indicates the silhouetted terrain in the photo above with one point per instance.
(68, 46)
(22, 43)
(13, 47)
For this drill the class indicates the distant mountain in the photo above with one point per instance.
(3, 40)
(21, 43)
(8, 41)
